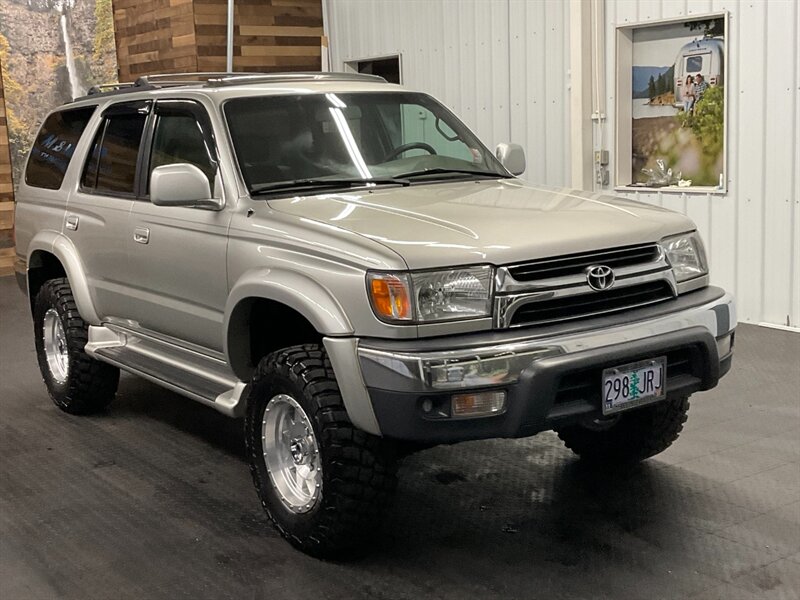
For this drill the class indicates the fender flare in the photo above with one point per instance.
(295, 290)
(64, 250)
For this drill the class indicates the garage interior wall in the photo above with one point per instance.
(752, 233)
(503, 66)
(463, 52)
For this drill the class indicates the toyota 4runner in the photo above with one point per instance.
(344, 264)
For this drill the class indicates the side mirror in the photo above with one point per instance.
(512, 156)
(181, 184)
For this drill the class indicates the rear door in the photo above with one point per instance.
(178, 254)
(97, 218)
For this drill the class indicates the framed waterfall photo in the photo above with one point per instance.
(51, 52)
(671, 125)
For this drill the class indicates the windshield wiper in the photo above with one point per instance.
(321, 183)
(445, 171)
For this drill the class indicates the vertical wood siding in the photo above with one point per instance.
(273, 35)
(175, 36)
(154, 36)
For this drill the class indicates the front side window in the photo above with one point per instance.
(52, 151)
(181, 137)
(111, 166)
(364, 136)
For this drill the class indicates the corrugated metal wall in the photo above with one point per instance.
(503, 66)
(463, 52)
(753, 232)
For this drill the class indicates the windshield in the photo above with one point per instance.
(301, 139)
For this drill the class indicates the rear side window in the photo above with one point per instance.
(111, 166)
(54, 146)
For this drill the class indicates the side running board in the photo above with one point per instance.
(188, 372)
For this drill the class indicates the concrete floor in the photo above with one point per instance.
(154, 500)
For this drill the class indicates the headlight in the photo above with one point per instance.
(426, 296)
(686, 255)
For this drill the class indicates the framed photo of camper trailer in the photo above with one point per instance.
(671, 109)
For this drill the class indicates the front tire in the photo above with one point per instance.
(323, 483)
(77, 383)
(639, 434)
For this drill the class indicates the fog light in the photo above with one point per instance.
(724, 346)
(481, 404)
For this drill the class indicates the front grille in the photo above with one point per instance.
(592, 303)
(572, 264)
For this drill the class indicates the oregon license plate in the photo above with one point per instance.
(634, 384)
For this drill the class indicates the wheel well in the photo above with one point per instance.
(42, 267)
(259, 326)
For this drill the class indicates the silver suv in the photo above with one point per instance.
(344, 264)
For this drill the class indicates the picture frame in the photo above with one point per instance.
(686, 140)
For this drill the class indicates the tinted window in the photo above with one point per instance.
(112, 161)
(694, 64)
(179, 138)
(360, 135)
(54, 146)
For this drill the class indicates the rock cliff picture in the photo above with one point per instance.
(51, 51)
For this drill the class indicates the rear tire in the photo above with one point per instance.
(323, 483)
(77, 383)
(638, 435)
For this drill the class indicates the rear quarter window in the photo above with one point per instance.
(52, 151)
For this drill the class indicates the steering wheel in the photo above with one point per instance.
(410, 146)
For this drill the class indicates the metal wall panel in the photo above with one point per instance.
(752, 233)
(462, 52)
(503, 66)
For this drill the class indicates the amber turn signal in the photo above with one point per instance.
(390, 296)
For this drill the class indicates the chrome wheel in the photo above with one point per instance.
(55, 346)
(291, 453)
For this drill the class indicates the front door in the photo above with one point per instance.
(178, 254)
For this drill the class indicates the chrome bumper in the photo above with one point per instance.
(484, 360)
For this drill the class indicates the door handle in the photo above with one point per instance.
(141, 235)
(71, 222)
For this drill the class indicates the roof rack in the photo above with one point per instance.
(170, 79)
(104, 88)
(221, 79)
(244, 78)
(159, 80)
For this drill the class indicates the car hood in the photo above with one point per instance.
(497, 222)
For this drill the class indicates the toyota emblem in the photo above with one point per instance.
(600, 277)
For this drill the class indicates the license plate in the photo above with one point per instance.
(634, 384)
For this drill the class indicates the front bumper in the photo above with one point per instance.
(551, 376)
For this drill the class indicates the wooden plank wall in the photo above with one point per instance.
(154, 36)
(6, 193)
(269, 35)
(170, 36)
